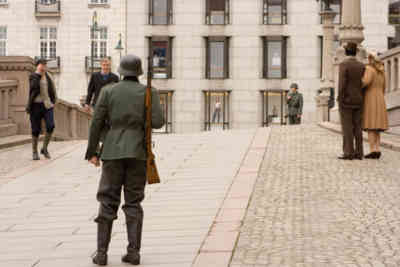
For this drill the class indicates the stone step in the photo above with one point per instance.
(8, 129)
(15, 140)
(2, 122)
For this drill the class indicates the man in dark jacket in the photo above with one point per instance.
(295, 104)
(97, 81)
(42, 98)
(123, 156)
(350, 100)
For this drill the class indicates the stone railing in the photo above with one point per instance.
(391, 58)
(8, 91)
(72, 122)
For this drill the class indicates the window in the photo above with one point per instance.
(217, 12)
(3, 40)
(48, 42)
(161, 51)
(394, 11)
(216, 109)
(99, 42)
(98, 2)
(336, 5)
(274, 12)
(217, 57)
(3, 2)
(391, 43)
(274, 108)
(48, 2)
(274, 66)
(167, 108)
(160, 12)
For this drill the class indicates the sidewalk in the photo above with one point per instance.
(46, 214)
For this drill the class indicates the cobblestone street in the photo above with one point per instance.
(310, 209)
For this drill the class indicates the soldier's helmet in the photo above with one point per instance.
(294, 85)
(130, 65)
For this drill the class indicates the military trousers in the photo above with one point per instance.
(294, 119)
(351, 119)
(128, 175)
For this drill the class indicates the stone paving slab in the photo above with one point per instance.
(54, 204)
(310, 209)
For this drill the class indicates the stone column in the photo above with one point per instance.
(327, 80)
(351, 29)
(387, 74)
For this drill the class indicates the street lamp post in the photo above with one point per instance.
(94, 29)
(119, 48)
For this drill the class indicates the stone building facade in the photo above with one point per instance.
(219, 64)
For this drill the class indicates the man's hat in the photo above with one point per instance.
(130, 65)
(40, 61)
(294, 85)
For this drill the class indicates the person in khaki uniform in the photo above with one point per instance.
(350, 100)
(295, 104)
(123, 155)
(375, 118)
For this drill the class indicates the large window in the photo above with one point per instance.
(160, 12)
(48, 2)
(274, 12)
(2, 2)
(48, 42)
(274, 66)
(217, 57)
(274, 108)
(216, 109)
(394, 12)
(99, 42)
(217, 12)
(161, 52)
(3, 40)
(336, 6)
(98, 1)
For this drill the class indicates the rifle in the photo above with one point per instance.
(151, 168)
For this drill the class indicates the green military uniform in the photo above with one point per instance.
(122, 107)
(295, 107)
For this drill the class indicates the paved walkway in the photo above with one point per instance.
(47, 210)
(311, 210)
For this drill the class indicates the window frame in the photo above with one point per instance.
(169, 40)
(4, 40)
(98, 42)
(169, 13)
(226, 41)
(48, 41)
(283, 40)
(265, 11)
(390, 19)
(208, 14)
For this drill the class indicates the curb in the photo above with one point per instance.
(219, 245)
(395, 146)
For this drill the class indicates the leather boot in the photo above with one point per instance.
(103, 240)
(35, 154)
(134, 230)
(46, 142)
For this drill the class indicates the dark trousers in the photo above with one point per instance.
(127, 174)
(294, 119)
(352, 132)
(39, 113)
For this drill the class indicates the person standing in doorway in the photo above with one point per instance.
(350, 99)
(42, 98)
(295, 104)
(97, 81)
(217, 111)
(123, 155)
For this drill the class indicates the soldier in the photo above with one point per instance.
(42, 98)
(295, 104)
(97, 81)
(123, 156)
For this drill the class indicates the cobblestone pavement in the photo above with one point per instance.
(46, 215)
(14, 158)
(311, 210)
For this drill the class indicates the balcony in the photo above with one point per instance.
(53, 64)
(96, 64)
(47, 10)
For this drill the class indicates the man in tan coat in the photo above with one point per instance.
(350, 100)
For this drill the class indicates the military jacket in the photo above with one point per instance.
(295, 104)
